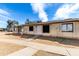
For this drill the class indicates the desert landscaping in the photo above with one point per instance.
(15, 44)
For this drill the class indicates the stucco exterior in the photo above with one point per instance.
(54, 29)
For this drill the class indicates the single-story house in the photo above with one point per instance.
(68, 28)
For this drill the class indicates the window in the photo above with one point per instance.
(45, 28)
(31, 28)
(67, 27)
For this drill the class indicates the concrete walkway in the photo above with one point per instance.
(34, 47)
(24, 52)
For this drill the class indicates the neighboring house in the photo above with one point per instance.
(68, 28)
(2, 29)
(19, 29)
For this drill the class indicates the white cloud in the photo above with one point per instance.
(4, 16)
(39, 8)
(3, 12)
(67, 11)
(3, 21)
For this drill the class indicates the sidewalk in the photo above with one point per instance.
(33, 47)
(24, 52)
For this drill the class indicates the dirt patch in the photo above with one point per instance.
(64, 43)
(42, 39)
(10, 35)
(70, 43)
(7, 48)
(46, 42)
(45, 53)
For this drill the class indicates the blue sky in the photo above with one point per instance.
(34, 12)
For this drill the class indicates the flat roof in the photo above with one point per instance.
(54, 21)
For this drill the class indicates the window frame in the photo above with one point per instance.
(67, 27)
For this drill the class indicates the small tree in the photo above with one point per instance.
(39, 21)
(27, 21)
(11, 24)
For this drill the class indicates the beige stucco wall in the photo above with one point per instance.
(56, 31)
(25, 29)
(76, 30)
(38, 30)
